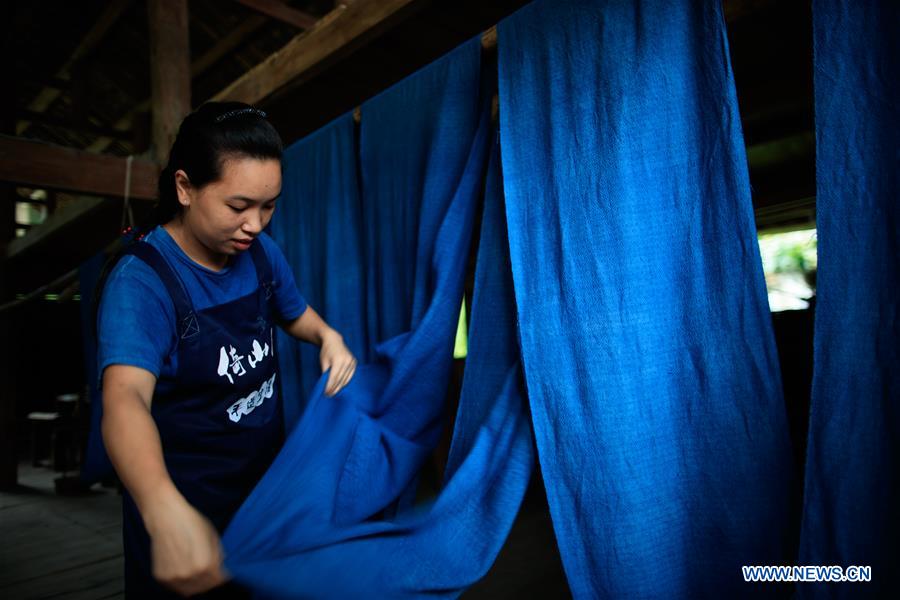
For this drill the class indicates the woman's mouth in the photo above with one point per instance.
(243, 244)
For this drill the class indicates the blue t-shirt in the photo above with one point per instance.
(136, 320)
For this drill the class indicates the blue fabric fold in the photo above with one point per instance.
(318, 225)
(311, 528)
(645, 332)
(852, 472)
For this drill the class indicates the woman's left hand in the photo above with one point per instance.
(336, 357)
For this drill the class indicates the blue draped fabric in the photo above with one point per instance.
(414, 148)
(423, 148)
(318, 225)
(645, 332)
(853, 473)
(307, 529)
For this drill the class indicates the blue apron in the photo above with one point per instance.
(219, 418)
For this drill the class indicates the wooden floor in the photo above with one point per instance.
(69, 547)
(60, 547)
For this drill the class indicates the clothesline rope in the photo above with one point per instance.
(126, 194)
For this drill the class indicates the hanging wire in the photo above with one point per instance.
(127, 214)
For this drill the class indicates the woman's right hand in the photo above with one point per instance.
(186, 550)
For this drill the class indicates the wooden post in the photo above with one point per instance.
(170, 71)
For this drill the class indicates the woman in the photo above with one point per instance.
(192, 413)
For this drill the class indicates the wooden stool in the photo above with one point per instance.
(42, 423)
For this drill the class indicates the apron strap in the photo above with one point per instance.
(263, 268)
(184, 310)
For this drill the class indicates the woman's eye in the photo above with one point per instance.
(236, 208)
(269, 206)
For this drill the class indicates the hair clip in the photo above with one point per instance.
(240, 111)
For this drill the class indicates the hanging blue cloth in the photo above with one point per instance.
(318, 226)
(645, 332)
(852, 472)
(423, 149)
(312, 520)
(283, 542)
(415, 145)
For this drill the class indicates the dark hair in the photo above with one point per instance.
(206, 138)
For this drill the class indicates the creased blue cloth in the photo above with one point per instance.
(852, 489)
(306, 529)
(645, 332)
(318, 225)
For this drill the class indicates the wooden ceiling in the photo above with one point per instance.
(81, 70)
(78, 76)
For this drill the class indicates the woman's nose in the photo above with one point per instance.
(253, 224)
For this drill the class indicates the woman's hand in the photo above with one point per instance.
(336, 357)
(186, 551)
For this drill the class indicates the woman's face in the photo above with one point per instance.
(225, 216)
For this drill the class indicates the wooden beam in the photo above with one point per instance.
(281, 12)
(47, 166)
(170, 71)
(337, 34)
(54, 223)
(39, 79)
(224, 46)
(304, 54)
(80, 127)
(47, 95)
(489, 38)
(778, 152)
(76, 232)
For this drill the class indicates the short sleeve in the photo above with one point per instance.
(289, 303)
(136, 320)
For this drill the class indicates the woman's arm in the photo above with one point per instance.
(310, 327)
(186, 551)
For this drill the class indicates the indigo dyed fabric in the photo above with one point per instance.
(318, 224)
(852, 489)
(645, 331)
(423, 147)
(414, 148)
(312, 527)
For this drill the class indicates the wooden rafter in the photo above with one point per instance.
(225, 45)
(42, 165)
(82, 127)
(281, 12)
(337, 34)
(348, 26)
(54, 223)
(48, 95)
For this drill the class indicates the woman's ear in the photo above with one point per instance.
(183, 188)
